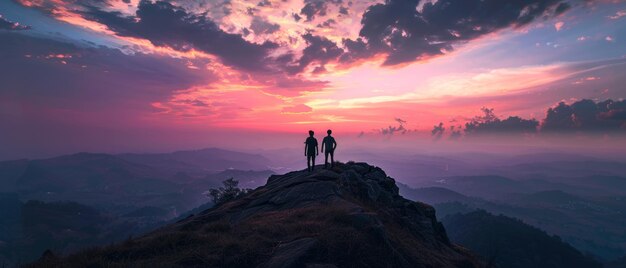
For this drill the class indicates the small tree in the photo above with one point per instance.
(226, 193)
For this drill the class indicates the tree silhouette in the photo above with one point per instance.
(228, 192)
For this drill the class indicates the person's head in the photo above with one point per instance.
(329, 132)
(311, 133)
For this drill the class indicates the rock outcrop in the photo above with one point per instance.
(348, 216)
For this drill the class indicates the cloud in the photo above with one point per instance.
(559, 25)
(343, 11)
(580, 117)
(327, 24)
(438, 131)
(262, 26)
(167, 25)
(314, 8)
(319, 50)
(398, 31)
(405, 33)
(391, 130)
(618, 15)
(87, 78)
(513, 124)
(296, 17)
(265, 3)
(614, 114)
(489, 123)
(586, 116)
(11, 26)
(297, 109)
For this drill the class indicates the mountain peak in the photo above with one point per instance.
(350, 215)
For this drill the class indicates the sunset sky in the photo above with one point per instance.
(123, 75)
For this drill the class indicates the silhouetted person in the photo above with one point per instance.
(310, 151)
(330, 144)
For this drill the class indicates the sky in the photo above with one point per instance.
(128, 75)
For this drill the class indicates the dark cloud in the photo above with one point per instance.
(405, 33)
(391, 130)
(265, 3)
(355, 50)
(318, 8)
(81, 78)
(489, 123)
(293, 84)
(561, 8)
(314, 8)
(251, 11)
(319, 50)
(513, 124)
(343, 10)
(296, 17)
(167, 25)
(455, 133)
(586, 116)
(57, 97)
(438, 131)
(194, 102)
(11, 26)
(327, 24)
(262, 26)
(614, 114)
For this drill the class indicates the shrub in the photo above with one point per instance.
(228, 192)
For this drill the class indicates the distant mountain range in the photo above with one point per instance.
(123, 195)
(592, 224)
(200, 162)
(508, 242)
(579, 198)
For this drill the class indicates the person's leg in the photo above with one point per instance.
(308, 163)
(312, 162)
(326, 159)
(332, 158)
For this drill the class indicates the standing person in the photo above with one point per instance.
(310, 151)
(330, 144)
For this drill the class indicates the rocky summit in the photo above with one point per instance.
(347, 216)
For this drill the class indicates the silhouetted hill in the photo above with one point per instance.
(555, 197)
(351, 216)
(82, 171)
(476, 186)
(619, 263)
(509, 242)
(131, 180)
(64, 227)
(200, 162)
(562, 168)
(432, 195)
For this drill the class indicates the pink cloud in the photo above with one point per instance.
(297, 109)
(559, 25)
(618, 15)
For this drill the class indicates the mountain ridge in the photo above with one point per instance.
(350, 215)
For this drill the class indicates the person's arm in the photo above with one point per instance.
(323, 146)
(305, 145)
(316, 151)
(334, 144)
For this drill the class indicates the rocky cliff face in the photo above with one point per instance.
(350, 216)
